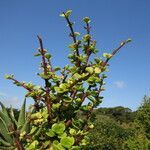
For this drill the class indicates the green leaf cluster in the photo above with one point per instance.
(54, 117)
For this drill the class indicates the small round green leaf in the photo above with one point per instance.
(128, 40)
(72, 131)
(86, 19)
(38, 54)
(50, 133)
(58, 128)
(68, 13)
(106, 55)
(89, 70)
(67, 142)
(48, 56)
(76, 33)
(97, 70)
(9, 76)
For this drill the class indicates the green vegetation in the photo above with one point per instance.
(120, 128)
(12, 129)
(116, 128)
(60, 119)
(143, 116)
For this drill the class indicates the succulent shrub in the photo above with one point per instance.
(11, 129)
(54, 117)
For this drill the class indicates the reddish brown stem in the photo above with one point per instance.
(115, 51)
(71, 28)
(73, 36)
(43, 55)
(68, 123)
(18, 145)
(47, 96)
(73, 94)
(88, 31)
(21, 84)
(88, 51)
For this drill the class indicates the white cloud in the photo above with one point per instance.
(120, 84)
(14, 101)
(2, 94)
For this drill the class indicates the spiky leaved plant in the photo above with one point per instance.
(12, 129)
(55, 119)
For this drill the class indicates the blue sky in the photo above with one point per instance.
(112, 21)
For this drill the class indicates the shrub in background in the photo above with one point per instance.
(143, 115)
(54, 120)
(107, 134)
(120, 128)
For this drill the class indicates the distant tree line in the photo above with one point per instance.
(120, 128)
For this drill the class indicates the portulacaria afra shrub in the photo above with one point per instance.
(54, 120)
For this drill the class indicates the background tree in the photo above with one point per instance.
(120, 114)
(107, 134)
(120, 128)
(143, 115)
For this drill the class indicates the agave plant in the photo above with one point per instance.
(12, 129)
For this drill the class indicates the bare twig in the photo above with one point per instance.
(115, 51)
